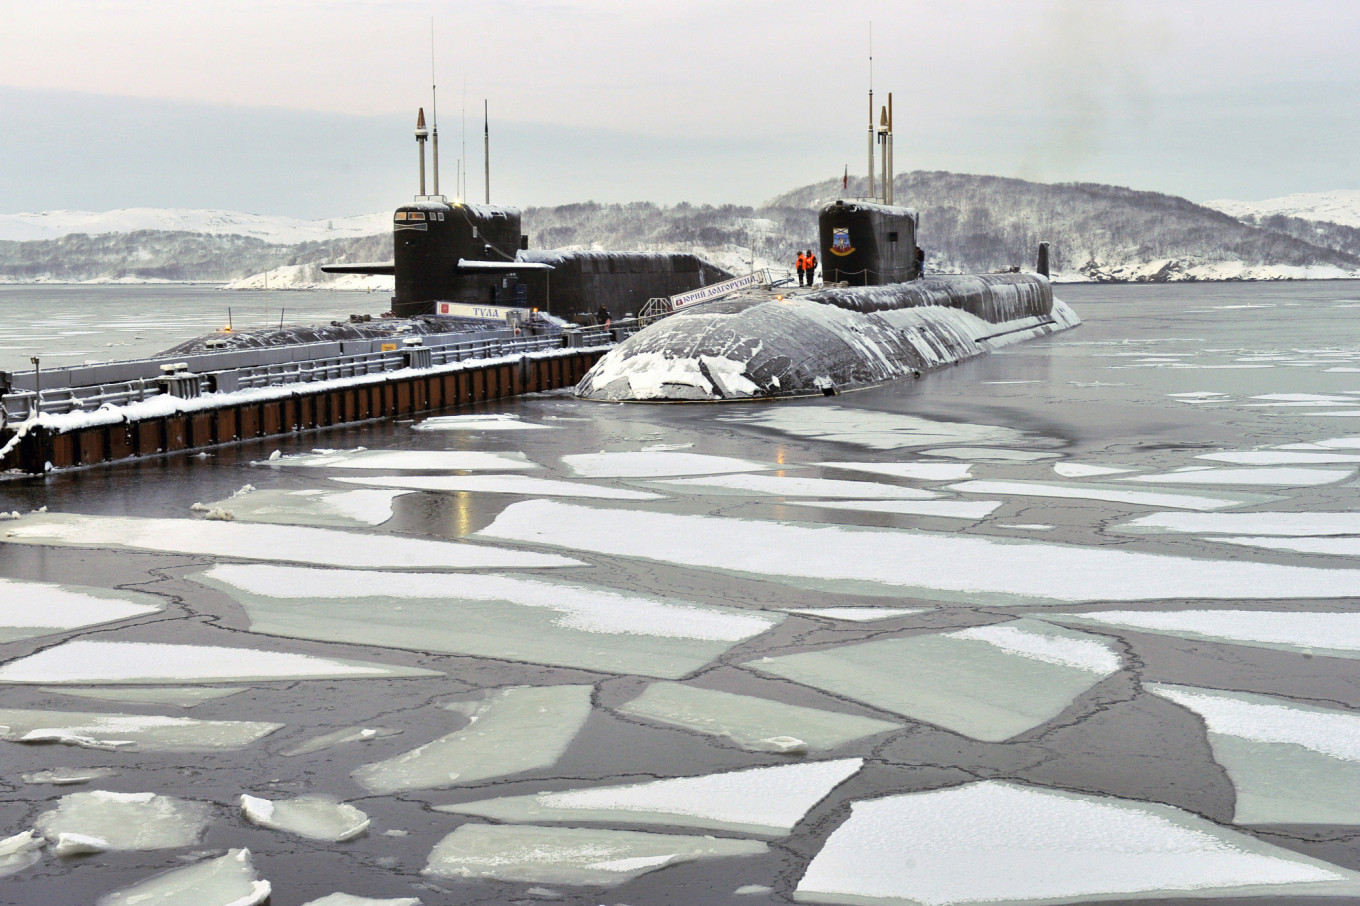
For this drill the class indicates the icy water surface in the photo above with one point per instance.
(74, 324)
(1073, 623)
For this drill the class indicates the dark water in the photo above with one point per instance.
(1098, 396)
(74, 324)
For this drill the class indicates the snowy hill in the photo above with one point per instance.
(1341, 206)
(273, 229)
(969, 223)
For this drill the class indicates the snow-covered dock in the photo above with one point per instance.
(157, 421)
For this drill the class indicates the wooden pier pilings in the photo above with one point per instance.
(296, 408)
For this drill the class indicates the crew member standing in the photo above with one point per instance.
(602, 316)
(810, 263)
(801, 264)
(920, 262)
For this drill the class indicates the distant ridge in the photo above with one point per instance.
(275, 229)
(1341, 207)
(969, 223)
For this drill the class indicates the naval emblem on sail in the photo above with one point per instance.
(840, 242)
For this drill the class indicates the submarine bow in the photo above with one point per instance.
(764, 345)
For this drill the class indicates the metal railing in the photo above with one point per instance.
(17, 405)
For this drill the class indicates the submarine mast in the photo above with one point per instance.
(872, 193)
(421, 135)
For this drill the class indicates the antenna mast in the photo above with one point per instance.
(486, 146)
(872, 193)
(462, 161)
(421, 134)
(434, 109)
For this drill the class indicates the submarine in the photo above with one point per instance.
(876, 318)
(462, 266)
(473, 260)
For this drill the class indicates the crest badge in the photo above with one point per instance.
(840, 241)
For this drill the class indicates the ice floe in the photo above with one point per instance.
(800, 487)
(29, 609)
(858, 614)
(517, 729)
(1290, 763)
(1161, 497)
(525, 485)
(147, 732)
(1326, 399)
(313, 817)
(1284, 524)
(490, 616)
(1334, 547)
(346, 899)
(1270, 476)
(765, 801)
(756, 724)
(1278, 457)
(874, 430)
(485, 422)
(939, 509)
(125, 821)
(289, 544)
(988, 682)
(19, 852)
(184, 697)
(409, 461)
(68, 776)
(1081, 470)
(228, 880)
(547, 855)
(998, 842)
(157, 662)
(940, 566)
(338, 509)
(656, 464)
(1330, 634)
(1334, 443)
(337, 738)
(983, 454)
(917, 471)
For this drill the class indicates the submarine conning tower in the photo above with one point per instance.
(867, 244)
(437, 246)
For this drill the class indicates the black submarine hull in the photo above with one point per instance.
(768, 345)
(475, 256)
(880, 320)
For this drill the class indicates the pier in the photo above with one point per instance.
(96, 414)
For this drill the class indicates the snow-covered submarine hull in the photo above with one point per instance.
(767, 345)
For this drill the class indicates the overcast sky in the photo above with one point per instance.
(305, 107)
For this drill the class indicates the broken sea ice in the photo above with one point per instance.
(137, 732)
(944, 566)
(756, 724)
(1327, 634)
(409, 461)
(287, 543)
(1290, 763)
(157, 662)
(1000, 843)
(568, 855)
(514, 730)
(313, 817)
(29, 609)
(336, 509)
(989, 682)
(20, 851)
(125, 821)
(489, 616)
(762, 801)
(228, 880)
